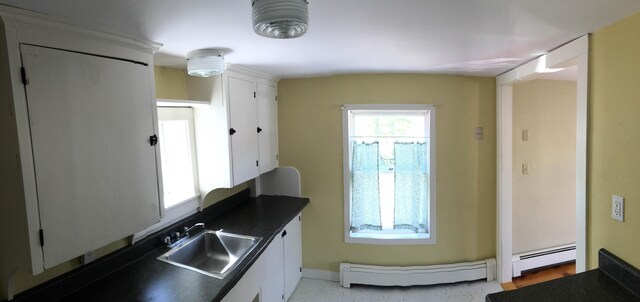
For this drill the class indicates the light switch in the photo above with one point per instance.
(479, 133)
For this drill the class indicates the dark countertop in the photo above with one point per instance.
(149, 279)
(614, 281)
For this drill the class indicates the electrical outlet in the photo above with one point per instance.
(88, 257)
(617, 208)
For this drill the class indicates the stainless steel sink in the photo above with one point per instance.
(213, 253)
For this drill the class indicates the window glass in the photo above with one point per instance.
(177, 154)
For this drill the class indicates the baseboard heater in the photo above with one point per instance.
(542, 258)
(416, 275)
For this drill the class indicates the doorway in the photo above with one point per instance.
(571, 55)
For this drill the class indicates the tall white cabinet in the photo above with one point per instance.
(237, 132)
(79, 119)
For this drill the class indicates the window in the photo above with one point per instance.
(177, 151)
(176, 141)
(389, 176)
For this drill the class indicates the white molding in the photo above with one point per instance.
(582, 115)
(319, 274)
(568, 52)
(261, 76)
(33, 22)
(573, 53)
(181, 103)
(416, 275)
(504, 183)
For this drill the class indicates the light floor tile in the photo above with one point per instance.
(310, 290)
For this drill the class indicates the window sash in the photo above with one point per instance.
(386, 236)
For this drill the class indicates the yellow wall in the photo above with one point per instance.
(170, 83)
(614, 140)
(310, 133)
(544, 200)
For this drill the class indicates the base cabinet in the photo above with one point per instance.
(275, 275)
(292, 256)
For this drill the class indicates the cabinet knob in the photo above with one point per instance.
(153, 140)
(232, 131)
(259, 129)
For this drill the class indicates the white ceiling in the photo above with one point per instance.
(472, 37)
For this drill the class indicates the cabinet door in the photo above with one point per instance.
(273, 280)
(268, 123)
(292, 256)
(248, 288)
(243, 120)
(91, 119)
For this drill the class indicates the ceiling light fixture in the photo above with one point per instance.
(280, 19)
(205, 62)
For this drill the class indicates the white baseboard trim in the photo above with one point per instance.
(416, 275)
(320, 274)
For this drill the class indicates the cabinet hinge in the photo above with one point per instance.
(301, 269)
(276, 98)
(282, 296)
(23, 75)
(284, 233)
(257, 165)
(277, 156)
(254, 94)
(299, 218)
(41, 233)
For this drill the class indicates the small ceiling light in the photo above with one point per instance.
(280, 19)
(205, 62)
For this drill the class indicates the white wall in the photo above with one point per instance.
(544, 212)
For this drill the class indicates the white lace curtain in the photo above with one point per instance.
(411, 185)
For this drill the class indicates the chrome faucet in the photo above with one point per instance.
(180, 238)
(186, 229)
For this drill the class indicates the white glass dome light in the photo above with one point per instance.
(280, 19)
(205, 62)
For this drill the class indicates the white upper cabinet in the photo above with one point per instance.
(268, 126)
(95, 169)
(236, 133)
(243, 122)
(84, 116)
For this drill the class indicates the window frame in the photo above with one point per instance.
(385, 238)
(190, 205)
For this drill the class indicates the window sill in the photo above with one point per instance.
(172, 214)
(390, 238)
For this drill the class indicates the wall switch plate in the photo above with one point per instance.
(479, 133)
(617, 208)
